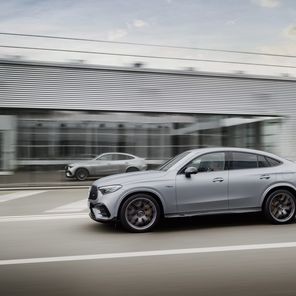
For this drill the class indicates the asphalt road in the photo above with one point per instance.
(49, 246)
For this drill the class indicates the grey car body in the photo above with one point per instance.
(198, 182)
(105, 164)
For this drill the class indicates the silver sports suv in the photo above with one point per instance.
(198, 182)
(105, 164)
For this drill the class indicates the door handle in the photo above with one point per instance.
(218, 179)
(264, 177)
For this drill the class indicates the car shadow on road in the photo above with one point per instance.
(192, 223)
(211, 221)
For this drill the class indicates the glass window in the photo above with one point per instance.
(262, 162)
(241, 160)
(105, 157)
(273, 162)
(123, 157)
(209, 162)
(171, 162)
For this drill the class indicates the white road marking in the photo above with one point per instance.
(19, 194)
(42, 217)
(77, 206)
(150, 253)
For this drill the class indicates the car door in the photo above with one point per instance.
(208, 189)
(249, 176)
(103, 165)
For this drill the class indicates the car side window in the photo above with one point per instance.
(262, 162)
(105, 157)
(272, 161)
(123, 157)
(209, 162)
(242, 160)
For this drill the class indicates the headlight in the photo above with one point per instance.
(109, 188)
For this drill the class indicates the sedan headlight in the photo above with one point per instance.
(109, 188)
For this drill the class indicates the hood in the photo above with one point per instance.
(127, 178)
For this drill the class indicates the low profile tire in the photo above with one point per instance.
(132, 169)
(81, 174)
(280, 207)
(139, 213)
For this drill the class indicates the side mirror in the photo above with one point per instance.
(189, 171)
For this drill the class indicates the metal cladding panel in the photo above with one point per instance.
(25, 85)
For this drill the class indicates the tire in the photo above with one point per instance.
(81, 174)
(280, 207)
(132, 169)
(140, 213)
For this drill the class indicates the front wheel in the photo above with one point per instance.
(81, 174)
(140, 213)
(279, 207)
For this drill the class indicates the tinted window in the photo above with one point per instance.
(105, 157)
(171, 162)
(262, 162)
(273, 162)
(123, 157)
(243, 161)
(209, 162)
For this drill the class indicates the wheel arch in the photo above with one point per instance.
(284, 186)
(155, 195)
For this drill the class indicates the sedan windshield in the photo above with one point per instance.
(171, 162)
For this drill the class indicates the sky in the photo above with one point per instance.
(244, 25)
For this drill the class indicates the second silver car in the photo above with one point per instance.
(105, 164)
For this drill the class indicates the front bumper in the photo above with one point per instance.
(69, 172)
(99, 208)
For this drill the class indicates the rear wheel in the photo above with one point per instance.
(280, 206)
(81, 174)
(132, 169)
(140, 213)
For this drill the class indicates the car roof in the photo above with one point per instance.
(235, 149)
(120, 153)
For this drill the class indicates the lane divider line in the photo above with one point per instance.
(234, 248)
(19, 194)
(77, 206)
(42, 217)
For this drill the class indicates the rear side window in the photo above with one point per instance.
(124, 157)
(241, 160)
(262, 162)
(272, 161)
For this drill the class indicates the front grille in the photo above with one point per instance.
(93, 193)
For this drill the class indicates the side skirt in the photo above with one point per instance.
(232, 211)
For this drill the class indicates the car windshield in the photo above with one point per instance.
(168, 164)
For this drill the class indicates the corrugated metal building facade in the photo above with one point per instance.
(31, 86)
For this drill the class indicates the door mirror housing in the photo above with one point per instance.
(189, 171)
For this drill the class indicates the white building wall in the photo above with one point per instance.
(74, 87)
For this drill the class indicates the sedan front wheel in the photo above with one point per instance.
(140, 213)
(81, 174)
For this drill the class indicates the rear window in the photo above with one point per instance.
(262, 162)
(272, 161)
(123, 157)
(243, 161)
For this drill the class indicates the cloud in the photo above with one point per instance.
(139, 23)
(117, 34)
(268, 3)
(290, 31)
(231, 22)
